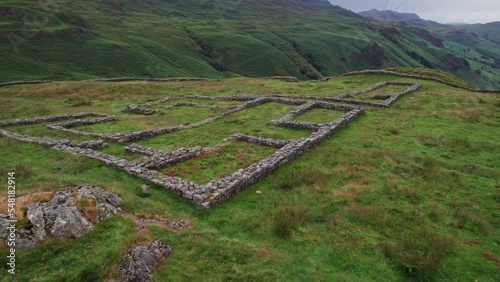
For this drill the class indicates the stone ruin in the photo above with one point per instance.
(215, 191)
(140, 262)
(60, 217)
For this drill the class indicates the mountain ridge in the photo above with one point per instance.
(306, 39)
(389, 15)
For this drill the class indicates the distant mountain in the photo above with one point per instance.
(389, 15)
(479, 44)
(393, 16)
(308, 39)
(490, 31)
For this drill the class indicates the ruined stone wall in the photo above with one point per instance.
(5, 84)
(213, 192)
(258, 140)
(158, 159)
(388, 99)
(122, 79)
(393, 73)
(230, 185)
(28, 121)
(283, 78)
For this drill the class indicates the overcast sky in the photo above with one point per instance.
(443, 11)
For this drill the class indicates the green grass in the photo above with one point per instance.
(202, 102)
(219, 163)
(320, 116)
(169, 118)
(400, 194)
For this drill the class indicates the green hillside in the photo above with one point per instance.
(308, 39)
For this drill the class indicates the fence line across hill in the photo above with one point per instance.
(393, 73)
(287, 78)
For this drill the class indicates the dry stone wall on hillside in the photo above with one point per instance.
(216, 191)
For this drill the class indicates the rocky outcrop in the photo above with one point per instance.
(140, 262)
(68, 215)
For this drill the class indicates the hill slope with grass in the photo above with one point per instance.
(307, 39)
(406, 193)
(477, 43)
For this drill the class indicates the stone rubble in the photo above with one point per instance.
(160, 159)
(28, 121)
(171, 225)
(138, 109)
(140, 262)
(257, 140)
(145, 189)
(60, 218)
(48, 142)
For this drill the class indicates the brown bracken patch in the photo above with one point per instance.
(22, 202)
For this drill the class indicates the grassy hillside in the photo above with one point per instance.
(307, 39)
(405, 193)
(477, 43)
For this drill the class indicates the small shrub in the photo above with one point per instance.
(472, 116)
(78, 101)
(288, 218)
(369, 215)
(300, 177)
(87, 206)
(23, 223)
(418, 255)
(459, 142)
(395, 130)
(36, 109)
(455, 143)
(90, 276)
(410, 194)
(23, 170)
(286, 183)
(468, 219)
(435, 212)
(429, 140)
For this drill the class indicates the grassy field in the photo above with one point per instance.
(405, 193)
